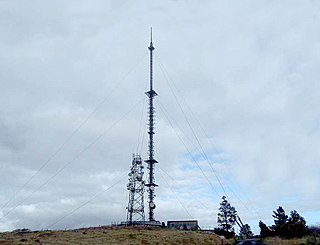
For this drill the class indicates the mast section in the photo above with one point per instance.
(151, 121)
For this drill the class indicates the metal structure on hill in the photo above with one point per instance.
(151, 122)
(135, 209)
(136, 185)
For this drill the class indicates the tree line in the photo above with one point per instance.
(285, 226)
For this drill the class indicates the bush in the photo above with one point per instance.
(226, 234)
(314, 230)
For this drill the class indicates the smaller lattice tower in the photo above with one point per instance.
(135, 209)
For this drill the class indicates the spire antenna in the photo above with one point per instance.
(151, 161)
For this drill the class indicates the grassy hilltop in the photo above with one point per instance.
(116, 235)
(108, 235)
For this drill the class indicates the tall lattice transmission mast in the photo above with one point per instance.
(151, 161)
(135, 209)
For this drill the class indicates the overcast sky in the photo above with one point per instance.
(237, 79)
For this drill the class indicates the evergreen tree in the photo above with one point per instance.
(296, 225)
(227, 215)
(295, 218)
(245, 231)
(280, 221)
(280, 217)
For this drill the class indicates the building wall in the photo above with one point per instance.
(183, 224)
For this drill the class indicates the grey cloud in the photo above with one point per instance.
(249, 72)
(11, 137)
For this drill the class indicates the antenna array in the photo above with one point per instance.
(135, 209)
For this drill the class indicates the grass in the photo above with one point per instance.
(131, 236)
(111, 235)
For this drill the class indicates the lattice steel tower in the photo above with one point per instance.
(135, 209)
(151, 161)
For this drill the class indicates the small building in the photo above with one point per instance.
(183, 224)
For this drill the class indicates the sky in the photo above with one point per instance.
(237, 112)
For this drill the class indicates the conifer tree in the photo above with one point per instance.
(280, 217)
(280, 221)
(227, 215)
(296, 225)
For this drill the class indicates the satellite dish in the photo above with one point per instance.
(152, 205)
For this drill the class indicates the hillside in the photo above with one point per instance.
(108, 235)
